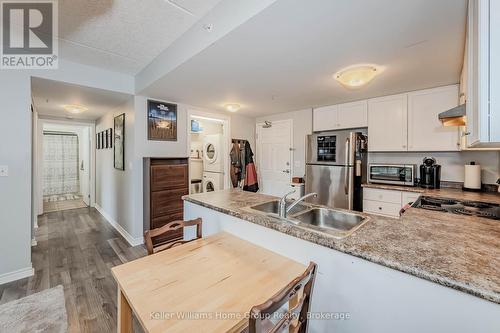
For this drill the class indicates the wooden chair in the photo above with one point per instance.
(149, 235)
(287, 310)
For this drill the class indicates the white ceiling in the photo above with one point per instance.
(124, 35)
(283, 58)
(50, 96)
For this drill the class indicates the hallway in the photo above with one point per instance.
(76, 249)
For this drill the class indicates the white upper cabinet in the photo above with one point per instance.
(425, 131)
(340, 116)
(353, 115)
(325, 118)
(483, 79)
(494, 78)
(387, 123)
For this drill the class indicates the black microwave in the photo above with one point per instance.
(396, 174)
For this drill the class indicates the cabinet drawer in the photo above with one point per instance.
(408, 197)
(161, 221)
(382, 208)
(382, 195)
(169, 176)
(167, 202)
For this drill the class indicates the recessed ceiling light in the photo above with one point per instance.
(357, 76)
(74, 108)
(232, 107)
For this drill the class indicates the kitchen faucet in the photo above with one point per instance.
(283, 209)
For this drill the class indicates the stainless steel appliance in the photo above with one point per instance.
(461, 207)
(336, 168)
(396, 174)
(430, 173)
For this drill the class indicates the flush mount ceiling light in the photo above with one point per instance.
(232, 107)
(74, 108)
(357, 76)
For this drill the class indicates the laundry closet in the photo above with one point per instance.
(206, 160)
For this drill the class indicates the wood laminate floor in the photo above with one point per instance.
(77, 248)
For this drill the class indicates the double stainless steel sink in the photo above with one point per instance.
(337, 223)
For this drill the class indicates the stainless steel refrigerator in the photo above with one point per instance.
(336, 167)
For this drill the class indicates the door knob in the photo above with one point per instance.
(286, 171)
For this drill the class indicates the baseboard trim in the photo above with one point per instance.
(17, 275)
(128, 237)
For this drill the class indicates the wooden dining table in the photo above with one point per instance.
(207, 285)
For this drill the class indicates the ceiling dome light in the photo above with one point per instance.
(232, 107)
(356, 76)
(74, 108)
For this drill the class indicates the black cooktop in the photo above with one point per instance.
(461, 207)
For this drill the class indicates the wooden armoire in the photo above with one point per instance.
(168, 182)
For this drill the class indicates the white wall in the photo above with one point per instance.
(114, 188)
(452, 163)
(15, 152)
(302, 126)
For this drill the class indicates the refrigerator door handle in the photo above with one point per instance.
(346, 180)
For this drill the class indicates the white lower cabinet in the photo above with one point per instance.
(409, 198)
(386, 202)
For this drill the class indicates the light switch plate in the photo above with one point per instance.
(4, 171)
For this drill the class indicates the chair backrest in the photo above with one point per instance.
(149, 235)
(287, 310)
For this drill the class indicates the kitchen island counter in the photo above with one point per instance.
(460, 252)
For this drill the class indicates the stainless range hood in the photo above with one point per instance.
(453, 117)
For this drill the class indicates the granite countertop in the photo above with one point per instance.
(444, 192)
(460, 252)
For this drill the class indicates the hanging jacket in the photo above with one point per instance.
(251, 180)
(236, 166)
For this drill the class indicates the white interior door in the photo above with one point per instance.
(273, 154)
(85, 165)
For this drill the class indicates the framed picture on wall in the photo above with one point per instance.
(162, 121)
(97, 141)
(119, 142)
(110, 137)
(101, 134)
(106, 139)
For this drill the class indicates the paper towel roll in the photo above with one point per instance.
(472, 177)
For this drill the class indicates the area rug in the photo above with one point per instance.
(43, 312)
(54, 206)
(62, 197)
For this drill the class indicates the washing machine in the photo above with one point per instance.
(213, 154)
(212, 181)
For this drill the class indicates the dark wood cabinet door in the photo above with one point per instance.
(168, 183)
(167, 177)
(167, 202)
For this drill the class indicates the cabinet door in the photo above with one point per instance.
(169, 176)
(425, 131)
(494, 78)
(325, 118)
(353, 115)
(387, 123)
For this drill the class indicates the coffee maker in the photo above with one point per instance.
(430, 173)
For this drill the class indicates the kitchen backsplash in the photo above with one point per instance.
(452, 163)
